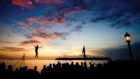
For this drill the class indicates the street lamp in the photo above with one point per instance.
(127, 38)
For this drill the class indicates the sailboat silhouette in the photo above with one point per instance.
(84, 57)
(84, 52)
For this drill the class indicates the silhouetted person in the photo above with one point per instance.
(36, 51)
(119, 69)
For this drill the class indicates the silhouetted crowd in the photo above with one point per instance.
(112, 69)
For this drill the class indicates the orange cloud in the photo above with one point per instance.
(12, 49)
(30, 43)
(32, 19)
(6, 42)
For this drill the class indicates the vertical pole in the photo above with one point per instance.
(84, 52)
(130, 51)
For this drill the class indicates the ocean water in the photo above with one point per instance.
(40, 63)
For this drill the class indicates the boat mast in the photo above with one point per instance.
(84, 52)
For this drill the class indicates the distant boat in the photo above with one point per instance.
(84, 57)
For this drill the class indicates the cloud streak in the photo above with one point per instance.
(23, 3)
(31, 3)
(7, 42)
(50, 2)
(30, 43)
(12, 49)
(38, 27)
(47, 36)
(124, 14)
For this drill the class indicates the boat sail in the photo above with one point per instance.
(84, 52)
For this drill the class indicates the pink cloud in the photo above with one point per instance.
(39, 29)
(23, 25)
(41, 21)
(34, 29)
(30, 3)
(42, 29)
(23, 3)
(60, 19)
(73, 11)
(49, 28)
(66, 11)
(46, 36)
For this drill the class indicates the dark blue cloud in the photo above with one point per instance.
(121, 12)
(118, 12)
(77, 28)
(123, 53)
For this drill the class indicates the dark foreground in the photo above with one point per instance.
(74, 71)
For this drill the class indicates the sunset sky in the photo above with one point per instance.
(63, 27)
